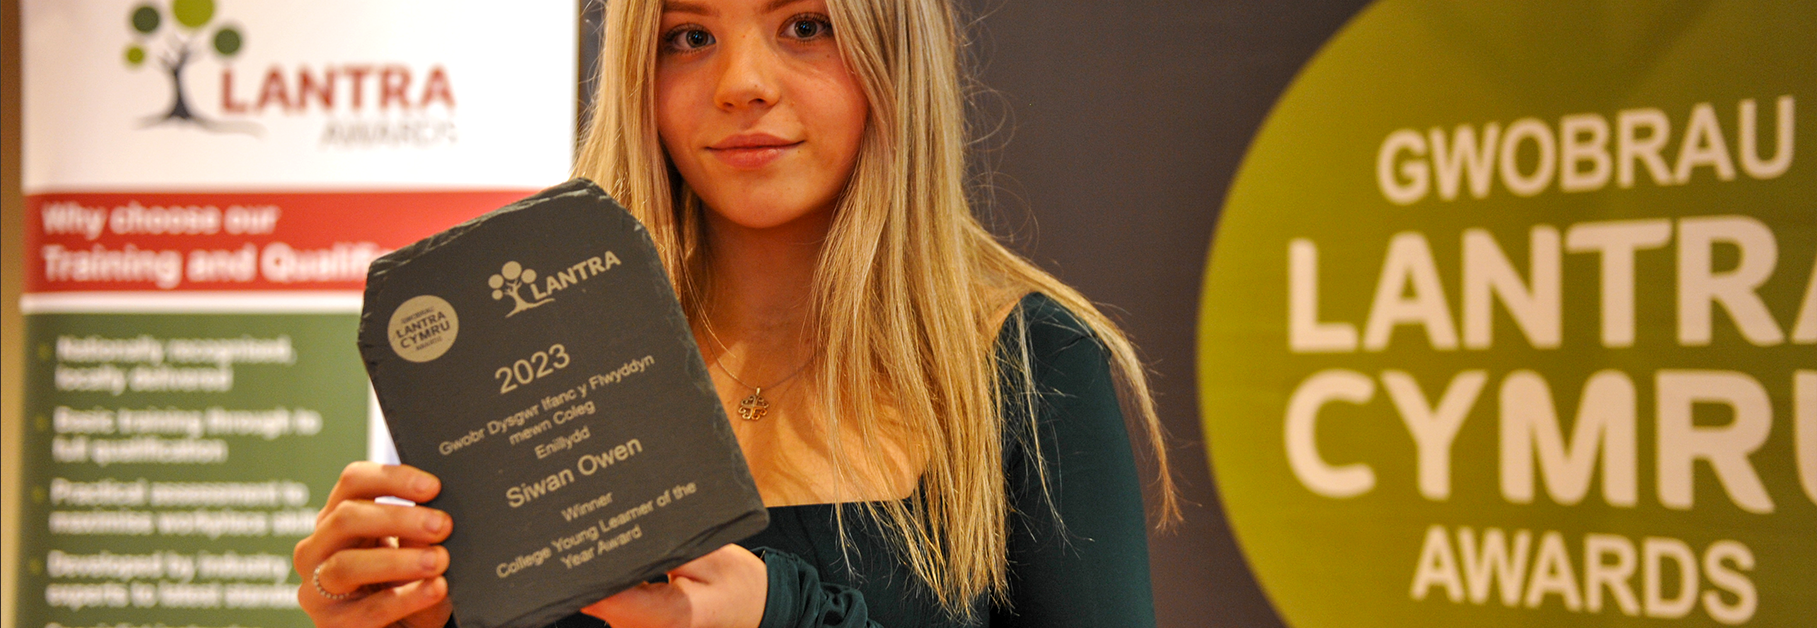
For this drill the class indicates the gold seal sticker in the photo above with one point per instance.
(423, 328)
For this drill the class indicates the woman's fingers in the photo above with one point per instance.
(382, 607)
(354, 551)
(719, 565)
(351, 524)
(371, 480)
(363, 524)
(349, 570)
(351, 519)
(647, 605)
(726, 588)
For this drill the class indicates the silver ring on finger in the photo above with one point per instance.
(316, 577)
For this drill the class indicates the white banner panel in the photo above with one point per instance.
(206, 182)
(299, 96)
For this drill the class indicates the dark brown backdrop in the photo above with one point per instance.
(1129, 119)
(1122, 125)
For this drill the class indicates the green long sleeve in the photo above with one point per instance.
(798, 599)
(1089, 567)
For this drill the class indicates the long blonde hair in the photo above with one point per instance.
(908, 285)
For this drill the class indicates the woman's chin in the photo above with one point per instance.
(769, 217)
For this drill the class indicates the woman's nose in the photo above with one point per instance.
(747, 73)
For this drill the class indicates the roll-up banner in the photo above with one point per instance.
(206, 182)
(1510, 320)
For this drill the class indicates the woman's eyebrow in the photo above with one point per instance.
(773, 5)
(694, 8)
(679, 6)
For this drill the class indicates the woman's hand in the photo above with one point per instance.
(724, 589)
(385, 557)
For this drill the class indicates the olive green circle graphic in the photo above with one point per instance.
(193, 13)
(145, 19)
(1510, 320)
(227, 41)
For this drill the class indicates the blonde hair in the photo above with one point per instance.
(907, 289)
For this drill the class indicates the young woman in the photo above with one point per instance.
(933, 421)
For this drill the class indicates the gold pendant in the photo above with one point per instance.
(753, 408)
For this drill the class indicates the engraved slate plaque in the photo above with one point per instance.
(537, 361)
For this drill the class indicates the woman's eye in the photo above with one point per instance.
(808, 28)
(685, 39)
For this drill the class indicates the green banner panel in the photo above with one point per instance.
(1509, 320)
(173, 462)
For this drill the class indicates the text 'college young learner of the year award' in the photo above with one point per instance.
(537, 361)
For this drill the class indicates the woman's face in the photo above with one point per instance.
(756, 108)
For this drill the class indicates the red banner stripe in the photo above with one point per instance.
(86, 242)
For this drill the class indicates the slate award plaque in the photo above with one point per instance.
(537, 361)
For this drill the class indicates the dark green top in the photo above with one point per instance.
(1093, 573)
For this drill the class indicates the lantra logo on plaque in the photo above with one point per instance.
(507, 282)
(513, 277)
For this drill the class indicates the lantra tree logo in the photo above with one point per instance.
(513, 277)
(507, 282)
(175, 47)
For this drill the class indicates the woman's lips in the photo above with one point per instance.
(750, 158)
(750, 152)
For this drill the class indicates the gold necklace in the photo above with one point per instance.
(754, 406)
